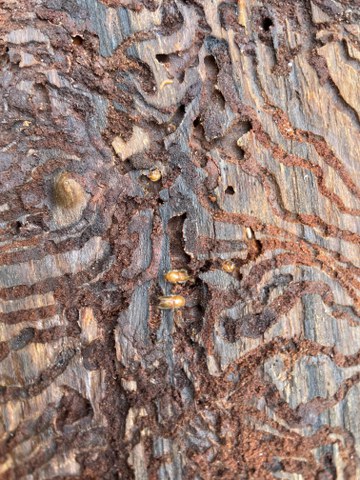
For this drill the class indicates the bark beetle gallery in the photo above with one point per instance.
(210, 141)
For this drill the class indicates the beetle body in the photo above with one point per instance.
(154, 175)
(228, 266)
(171, 302)
(177, 276)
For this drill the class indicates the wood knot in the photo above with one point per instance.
(68, 193)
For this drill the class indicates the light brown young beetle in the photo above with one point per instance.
(67, 192)
(171, 302)
(154, 175)
(177, 276)
(228, 266)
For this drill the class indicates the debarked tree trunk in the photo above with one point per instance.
(216, 137)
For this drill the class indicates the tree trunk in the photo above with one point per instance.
(249, 113)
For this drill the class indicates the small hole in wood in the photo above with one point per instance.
(179, 115)
(211, 67)
(240, 152)
(162, 58)
(229, 326)
(266, 24)
(229, 190)
(77, 40)
(220, 98)
(247, 126)
(181, 77)
(196, 122)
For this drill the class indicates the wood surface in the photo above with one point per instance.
(250, 110)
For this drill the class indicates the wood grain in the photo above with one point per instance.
(251, 112)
